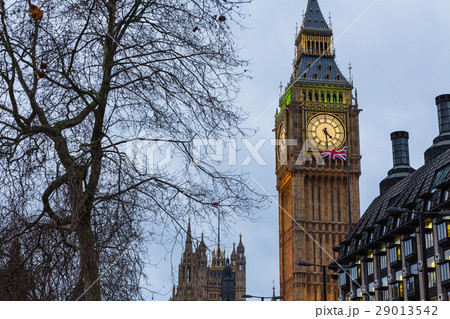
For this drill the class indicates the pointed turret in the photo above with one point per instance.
(314, 22)
(240, 247)
(314, 63)
(188, 248)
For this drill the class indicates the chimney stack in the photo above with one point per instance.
(442, 142)
(400, 154)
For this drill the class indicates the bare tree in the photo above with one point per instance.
(81, 81)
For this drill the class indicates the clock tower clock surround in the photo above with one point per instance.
(318, 111)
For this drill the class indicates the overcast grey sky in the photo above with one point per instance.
(399, 51)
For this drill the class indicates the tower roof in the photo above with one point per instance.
(322, 71)
(314, 21)
(188, 247)
(240, 247)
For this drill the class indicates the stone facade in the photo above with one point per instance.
(223, 279)
(313, 214)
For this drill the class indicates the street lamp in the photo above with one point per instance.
(324, 277)
(396, 211)
(262, 298)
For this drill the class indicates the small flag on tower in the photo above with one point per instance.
(336, 154)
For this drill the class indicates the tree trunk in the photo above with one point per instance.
(88, 258)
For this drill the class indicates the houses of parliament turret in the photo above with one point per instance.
(223, 279)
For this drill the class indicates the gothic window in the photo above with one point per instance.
(240, 267)
(322, 96)
(326, 46)
(319, 67)
(188, 277)
(315, 75)
(341, 98)
(328, 97)
(310, 96)
(327, 76)
(338, 77)
(330, 68)
(309, 66)
(309, 45)
(304, 94)
(321, 46)
(304, 75)
(334, 97)
(316, 96)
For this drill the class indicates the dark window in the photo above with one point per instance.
(445, 272)
(443, 231)
(410, 247)
(383, 262)
(315, 75)
(369, 268)
(327, 76)
(319, 67)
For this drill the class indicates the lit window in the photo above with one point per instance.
(399, 276)
(429, 240)
(397, 290)
(432, 281)
(355, 272)
(431, 263)
(394, 254)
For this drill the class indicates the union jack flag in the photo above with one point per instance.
(333, 154)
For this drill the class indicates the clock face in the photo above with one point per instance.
(326, 131)
(281, 145)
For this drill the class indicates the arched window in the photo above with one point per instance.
(322, 97)
(304, 75)
(315, 75)
(321, 47)
(309, 45)
(338, 77)
(319, 67)
(304, 94)
(326, 46)
(188, 277)
(334, 97)
(316, 96)
(330, 68)
(327, 76)
(341, 98)
(309, 66)
(328, 97)
(310, 96)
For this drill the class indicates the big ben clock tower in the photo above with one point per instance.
(317, 112)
